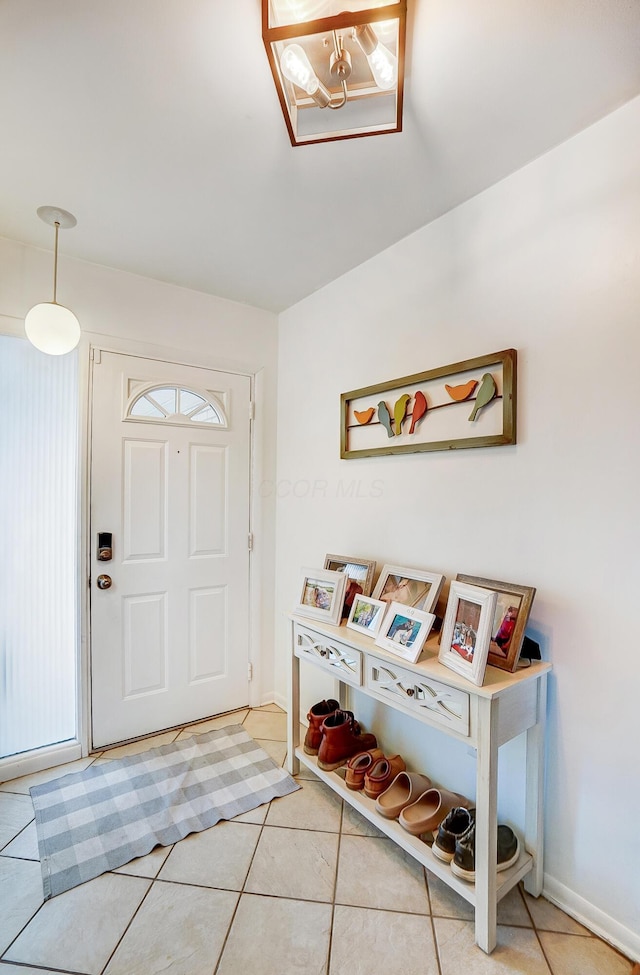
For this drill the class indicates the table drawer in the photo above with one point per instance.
(343, 661)
(423, 697)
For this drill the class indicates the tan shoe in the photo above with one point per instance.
(381, 775)
(359, 765)
(341, 740)
(405, 789)
(427, 812)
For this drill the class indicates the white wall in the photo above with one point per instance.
(135, 314)
(546, 262)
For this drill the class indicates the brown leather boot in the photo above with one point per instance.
(315, 717)
(341, 738)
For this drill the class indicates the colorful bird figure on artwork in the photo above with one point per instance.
(419, 410)
(400, 411)
(462, 392)
(364, 415)
(484, 395)
(385, 417)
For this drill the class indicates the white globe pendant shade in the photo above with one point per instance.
(52, 328)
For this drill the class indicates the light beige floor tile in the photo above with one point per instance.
(272, 935)
(176, 930)
(137, 747)
(294, 863)
(511, 910)
(25, 845)
(270, 707)
(266, 724)
(377, 873)
(277, 750)
(78, 930)
(517, 951)
(353, 824)
(257, 815)
(16, 811)
(20, 896)
(216, 857)
(24, 783)
(12, 970)
(147, 866)
(307, 773)
(571, 955)
(365, 941)
(445, 902)
(548, 917)
(314, 806)
(212, 724)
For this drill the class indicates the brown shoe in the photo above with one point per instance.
(341, 740)
(427, 812)
(315, 717)
(382, 774)
(359, 765)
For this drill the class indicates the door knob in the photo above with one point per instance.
(104, 582)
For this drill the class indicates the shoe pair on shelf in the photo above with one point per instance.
(455, 843)
(334, 735)
(417, 805)
(372, 772)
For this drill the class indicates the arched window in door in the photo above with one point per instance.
(175, 404)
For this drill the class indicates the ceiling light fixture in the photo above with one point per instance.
(51, 327)
(323, 57)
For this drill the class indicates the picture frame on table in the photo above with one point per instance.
(366, 615)
(404, 631)
(321, 595)
(466, 631)
(513, 607)
(361, 571)
(416, 588)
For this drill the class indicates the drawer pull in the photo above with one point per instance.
(436, 701)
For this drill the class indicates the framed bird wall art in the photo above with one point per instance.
(465, 404)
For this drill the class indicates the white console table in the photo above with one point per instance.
(482, 717)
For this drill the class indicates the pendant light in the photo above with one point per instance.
(51, 327)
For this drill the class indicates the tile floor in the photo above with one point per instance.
(301, 885)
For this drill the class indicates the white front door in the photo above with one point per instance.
(170, 467)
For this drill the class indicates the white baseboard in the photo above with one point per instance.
(604, 926)
(39, 759)
(280, 700)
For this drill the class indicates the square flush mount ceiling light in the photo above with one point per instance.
(339, 73)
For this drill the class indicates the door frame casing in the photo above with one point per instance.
(173, 357)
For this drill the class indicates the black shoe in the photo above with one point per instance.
(452, 828)
(463, 864)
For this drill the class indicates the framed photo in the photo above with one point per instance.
(321, 595)
(360, 571)
(513, 606)
(366, 615)
(466, 630)
(412, 587)
(404, 631)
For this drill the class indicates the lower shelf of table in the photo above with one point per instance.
(412, 844)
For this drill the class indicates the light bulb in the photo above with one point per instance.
(52, 328)
(383, 64)
(297, 68)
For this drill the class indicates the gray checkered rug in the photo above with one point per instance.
(99, 819)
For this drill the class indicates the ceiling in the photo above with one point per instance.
(156, 122)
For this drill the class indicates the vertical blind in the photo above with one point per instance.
(38, 521)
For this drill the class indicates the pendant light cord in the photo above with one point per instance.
(55, 264)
